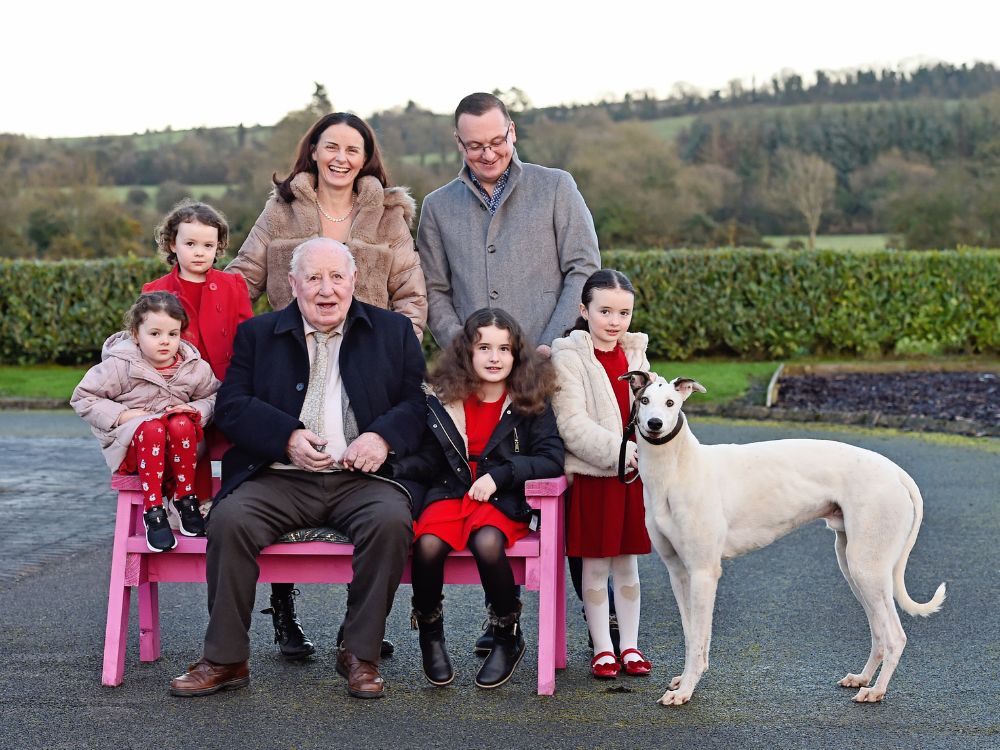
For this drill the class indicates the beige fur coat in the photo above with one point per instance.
(389, 273)
(585, 405)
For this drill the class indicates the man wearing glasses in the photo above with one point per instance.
(508, 234)
(504, 233)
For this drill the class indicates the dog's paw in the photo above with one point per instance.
(675, 698)
(855, 681)
(869, 695)
(675, 683)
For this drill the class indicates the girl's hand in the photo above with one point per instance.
(482, 488)
(128, 414)
(181, 408)
(634, 462)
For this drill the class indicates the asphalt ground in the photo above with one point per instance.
(786, 629)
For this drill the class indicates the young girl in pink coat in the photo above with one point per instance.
(147, 402)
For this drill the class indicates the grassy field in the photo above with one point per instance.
(39, 381)
(669, 128)
(120, 192)
(724, 380)
(834, 241)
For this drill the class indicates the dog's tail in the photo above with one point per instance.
(899, 585)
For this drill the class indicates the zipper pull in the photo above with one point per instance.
(517, 443)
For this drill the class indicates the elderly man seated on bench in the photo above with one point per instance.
(316, 397)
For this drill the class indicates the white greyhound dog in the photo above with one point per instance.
(709, 502)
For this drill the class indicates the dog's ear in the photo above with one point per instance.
(685, 386)
(637, 379)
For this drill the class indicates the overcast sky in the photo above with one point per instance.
(88, 68)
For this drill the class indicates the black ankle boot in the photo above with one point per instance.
(484, 643)
(508, 648)
(437, 665)
(288, 632)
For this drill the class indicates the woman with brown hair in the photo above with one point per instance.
(339, 188)
(490, 428)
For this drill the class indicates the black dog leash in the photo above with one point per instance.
(631, 430)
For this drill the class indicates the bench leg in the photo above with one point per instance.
(149, 622)
(550, 573)
(561, 593)
(119, 599)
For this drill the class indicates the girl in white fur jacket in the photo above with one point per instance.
(606, 525)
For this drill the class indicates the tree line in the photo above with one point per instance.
(923, 169)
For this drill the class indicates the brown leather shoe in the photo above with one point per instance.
(205, 677)
(363, 679)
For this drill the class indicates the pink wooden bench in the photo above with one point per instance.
(537, 561)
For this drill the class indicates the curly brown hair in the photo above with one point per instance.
(188, 211)
(532, 379)
(160, 302)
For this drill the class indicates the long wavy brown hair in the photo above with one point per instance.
(305, 163)
(532, 379)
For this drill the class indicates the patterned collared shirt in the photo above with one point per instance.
(492, 201)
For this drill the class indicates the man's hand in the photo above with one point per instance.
(367, 453)
(545, 350)
(302, 451)
(482, 488)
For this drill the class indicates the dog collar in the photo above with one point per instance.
(669, 436)
(631, 430)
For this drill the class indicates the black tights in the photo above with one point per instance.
(488, 546)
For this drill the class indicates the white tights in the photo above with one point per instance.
(624, 570)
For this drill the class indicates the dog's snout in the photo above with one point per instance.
(655, 424)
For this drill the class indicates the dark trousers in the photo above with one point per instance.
(373, 513)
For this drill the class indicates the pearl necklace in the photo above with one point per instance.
(335, 220)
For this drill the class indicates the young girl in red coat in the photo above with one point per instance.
(606, 519)
(490, 428)
(147, 402)
(191, 238)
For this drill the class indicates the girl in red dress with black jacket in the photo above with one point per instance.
(490, 428)
(605, 518)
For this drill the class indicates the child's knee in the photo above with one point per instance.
(180, 426)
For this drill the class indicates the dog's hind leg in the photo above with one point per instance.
(888, 638)
(864, 679)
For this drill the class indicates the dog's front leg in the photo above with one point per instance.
(681, 585)
(703, 583)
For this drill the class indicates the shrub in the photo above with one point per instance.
(749, 303)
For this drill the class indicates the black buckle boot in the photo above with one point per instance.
(484, 643)
(437, 665)
(288, 633)
(508, 648)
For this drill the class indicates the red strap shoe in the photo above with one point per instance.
(605, 671)
(636, 667)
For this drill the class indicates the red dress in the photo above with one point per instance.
(454, 520)
(605, 517)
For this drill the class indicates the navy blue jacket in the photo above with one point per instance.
(258, 405)
(521, 447)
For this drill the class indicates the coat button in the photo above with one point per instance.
(494, 294)
(491, 248)
(218, 308)
(300, 386)
(213, 286)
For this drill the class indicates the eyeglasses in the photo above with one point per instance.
(475, 149)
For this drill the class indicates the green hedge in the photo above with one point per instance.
(750, 303)
(777, 304)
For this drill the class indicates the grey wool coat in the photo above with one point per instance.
(531, 258)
